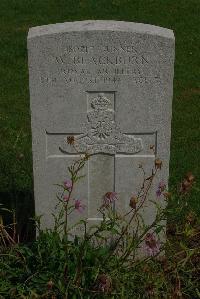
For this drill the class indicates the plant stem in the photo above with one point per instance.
(135, 212)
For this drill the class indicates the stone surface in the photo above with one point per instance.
(108, 83)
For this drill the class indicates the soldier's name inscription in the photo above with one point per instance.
(80, 64)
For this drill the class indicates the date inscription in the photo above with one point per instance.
(90, 64)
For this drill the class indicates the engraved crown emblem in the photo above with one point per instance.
(101, 132)
(100, 102)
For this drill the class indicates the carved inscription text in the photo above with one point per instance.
(83, 64)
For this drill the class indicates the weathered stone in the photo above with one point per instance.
(109, 84)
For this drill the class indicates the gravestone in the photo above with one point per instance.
(109, 84)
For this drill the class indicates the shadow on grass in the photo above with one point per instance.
(22, 202)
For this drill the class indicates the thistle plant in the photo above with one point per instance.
(116, 233)
(118, 257)
(67, 204)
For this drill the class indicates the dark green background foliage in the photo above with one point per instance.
(17, 16)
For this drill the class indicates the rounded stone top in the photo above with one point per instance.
(100, 25)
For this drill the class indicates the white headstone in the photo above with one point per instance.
(108, 83)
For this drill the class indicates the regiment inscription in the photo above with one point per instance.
(103, 64)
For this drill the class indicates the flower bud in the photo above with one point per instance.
(185, 186)
(21, 156)
(50, 284)
(86, 156)
(70, 140)
(167, 194)
(191, 218)
(158, 163)
(109, 198)
(133, 202)
(66, 198)
(190, 177)
(104, 283)
(68, 185)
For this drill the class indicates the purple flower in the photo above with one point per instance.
(158, 192)
(162, 185)
(151, 244)
(68, 184)
(161, 188)
(109, 198)
(78, 205)
(66, 198)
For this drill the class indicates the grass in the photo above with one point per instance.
(17, 16)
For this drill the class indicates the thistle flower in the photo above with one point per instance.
(79, 206)
(109, 198)
(151, 245)
(68, 185)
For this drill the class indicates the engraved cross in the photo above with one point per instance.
(103, 140)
